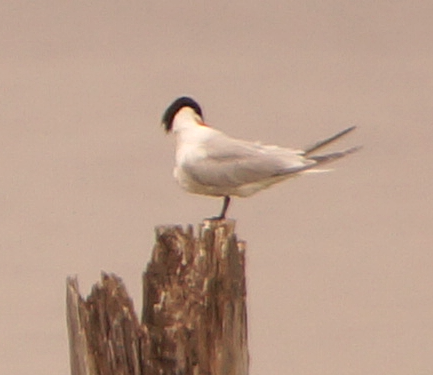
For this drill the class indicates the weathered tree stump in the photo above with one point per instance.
(194, 318)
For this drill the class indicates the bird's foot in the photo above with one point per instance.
(216, 218)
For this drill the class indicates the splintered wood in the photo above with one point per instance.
(194, 318)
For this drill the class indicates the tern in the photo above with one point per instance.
(210, 162)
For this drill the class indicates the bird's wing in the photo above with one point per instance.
(230, 162)
(325, 142)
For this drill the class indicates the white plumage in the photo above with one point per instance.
(211, 163)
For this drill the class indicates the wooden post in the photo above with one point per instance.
(194, 318)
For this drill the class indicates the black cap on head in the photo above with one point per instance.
(176, 106)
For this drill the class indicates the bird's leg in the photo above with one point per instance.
(222, 215)
(225, 207)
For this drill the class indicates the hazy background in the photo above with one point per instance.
(339, 265)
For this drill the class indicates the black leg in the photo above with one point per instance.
(224, 210)
(225, 207)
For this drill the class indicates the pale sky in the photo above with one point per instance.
(339, 266)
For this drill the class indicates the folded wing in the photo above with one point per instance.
(231, 162)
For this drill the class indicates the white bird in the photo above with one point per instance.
(210, 162)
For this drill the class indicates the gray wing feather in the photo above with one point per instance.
(327, 158)
(230, 162)
(325, 142)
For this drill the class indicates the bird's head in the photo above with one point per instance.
(174, 108)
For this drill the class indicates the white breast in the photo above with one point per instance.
(190, 139)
